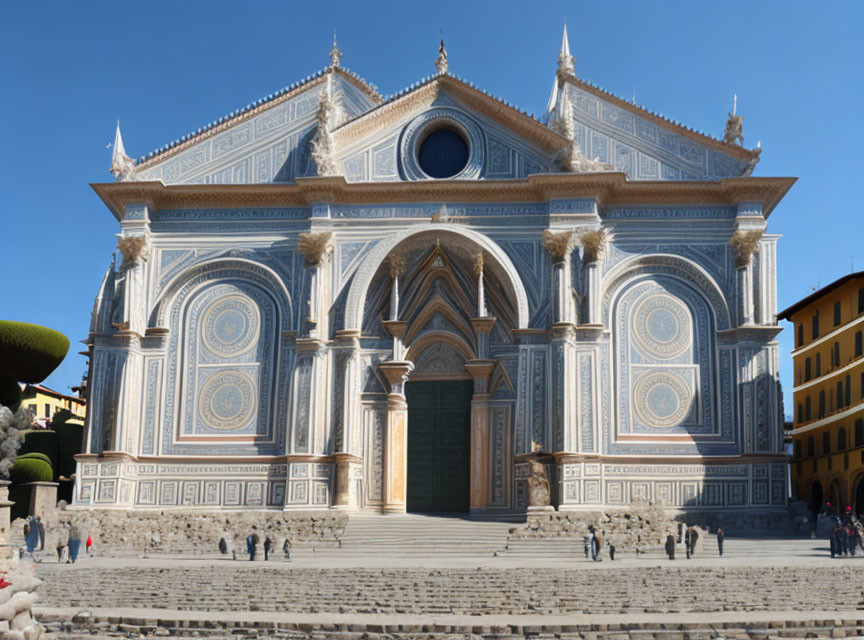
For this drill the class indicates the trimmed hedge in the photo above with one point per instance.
(42, 441)
(30, 470)
(30, 352)
(70, 441)
(35, 456)
(10, 392)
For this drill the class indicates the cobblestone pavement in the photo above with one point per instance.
(239, 587)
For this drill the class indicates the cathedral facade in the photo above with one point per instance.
(329, 299)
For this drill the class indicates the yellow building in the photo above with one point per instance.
(44, 403)
(828, 359)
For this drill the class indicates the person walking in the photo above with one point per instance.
(62, 540)
(87, 545)
(690, 538)
(74, 541)
(40, 527)
(670, 546)
(252, 541)
(286, 549)
(33, 541)
(720, 538)
(268, 543)
(586, 544)
(596, 547)
(28, 539)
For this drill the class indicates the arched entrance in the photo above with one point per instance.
(816, 498)
(447, 305)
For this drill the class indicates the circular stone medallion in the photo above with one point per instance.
(661, 326)
(231, 326)
(227, 400)
(662, 400)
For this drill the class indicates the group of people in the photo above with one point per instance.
(593, 543)
(691, 537)
(226, 545)
(844, 539)
(68, 539)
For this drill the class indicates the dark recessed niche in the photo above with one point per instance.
(443, 153)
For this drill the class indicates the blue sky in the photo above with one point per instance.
(69, 69)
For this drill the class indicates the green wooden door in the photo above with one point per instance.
(439, 441)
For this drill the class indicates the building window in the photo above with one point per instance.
(33, 410)
(800, 469)
(839, 394)
(841, 439)
(862, 385)
(815, 331)
(807, 412)
(859, 343)
(836, 354)
(818, 364)
(822, 403)
(796, 447)
(860, 300)
(443, 153)
(826, 443)
(47, 410)
(807, 373)
(837, 312)
(801, 334)
(846, 461)
(859, 432)
(847, 400)
(800, 413)
(830, 463)
(811, 447)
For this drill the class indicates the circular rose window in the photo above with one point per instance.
(443, 153)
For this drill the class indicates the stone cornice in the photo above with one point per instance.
(609, 189)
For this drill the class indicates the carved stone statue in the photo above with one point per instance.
(335, 52)
(315, 247)
(133, 249)
(329, 117)
(538, 486)
(441, 61)
(734, 133)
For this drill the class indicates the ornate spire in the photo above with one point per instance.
(734, 126)
(335, 52)
(565, 60)
(441, 60)
(573, 159)
(122, 166)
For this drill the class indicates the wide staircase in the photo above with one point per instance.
(415, 536)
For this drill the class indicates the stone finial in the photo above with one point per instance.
(745, 244)
(441, 61)
(479, 263)
(566, 62)
(134, 248)
(558, 244)
(315, 247)
(122, 166)
(335, 52)
(594, 243)
(397, 265)
(734, 126)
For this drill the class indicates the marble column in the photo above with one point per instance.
(396, 437)
(481, 371)
(745, 243)
(559, 246)
(315, 248)
(346, 489)
(593, 244)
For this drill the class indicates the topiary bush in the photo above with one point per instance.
(70, 442)
(42, 441)
(10, 392)
(30, 352)
(26, 470)
(36, 456)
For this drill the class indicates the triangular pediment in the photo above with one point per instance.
(267, 141)
(376, 146)
(644, 145)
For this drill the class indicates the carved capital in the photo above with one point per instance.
(594, 243)
(315, 247)
(397, 265)
(558, 245)
(745, 244)
(479, 262)
(134, 248)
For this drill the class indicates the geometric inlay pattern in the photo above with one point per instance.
(227, 400)
(661, 326)
(662, 399)
(230, 326)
